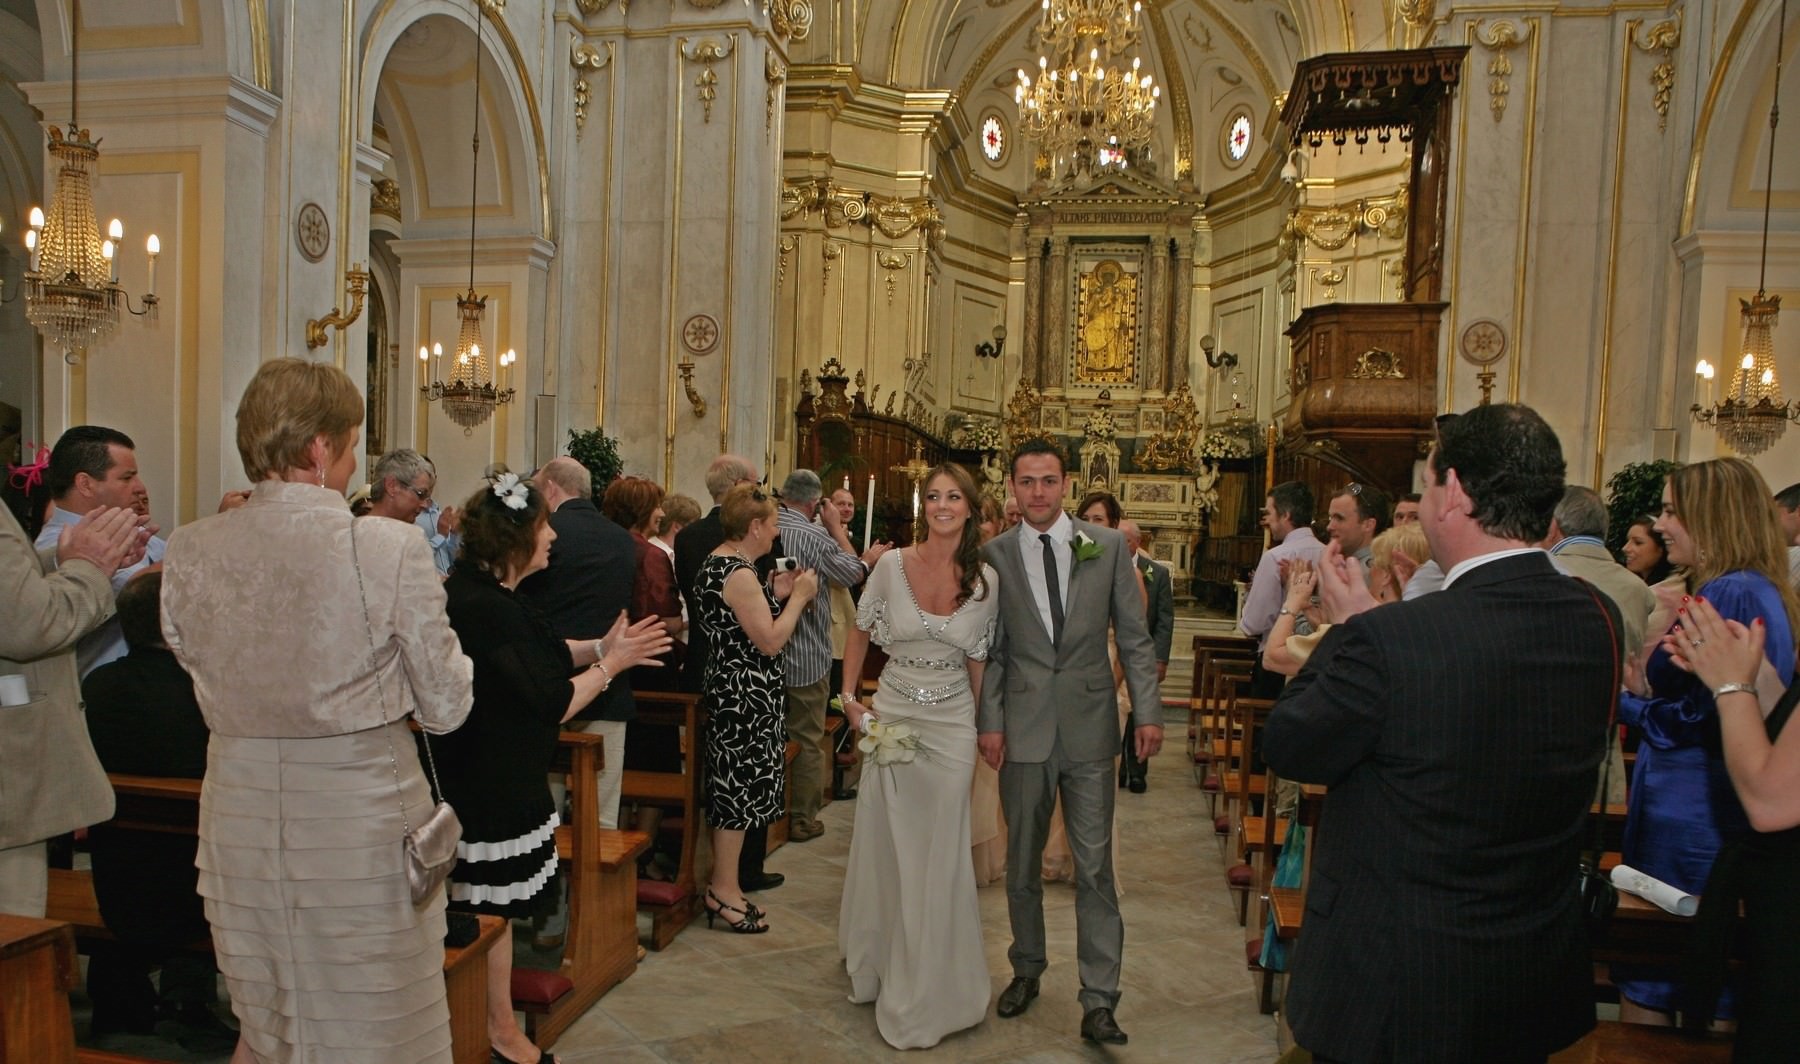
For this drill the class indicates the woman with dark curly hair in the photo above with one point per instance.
(910, 927)
(494, 769)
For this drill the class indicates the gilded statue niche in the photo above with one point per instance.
(1106, 333)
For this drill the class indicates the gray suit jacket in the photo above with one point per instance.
(1627, 590)
(1045, 695)
(1161, 609)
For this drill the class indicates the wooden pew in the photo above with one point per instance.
(673, 905)
(1611, 1042)
(150, 803)
(601, 942)
(37, 970)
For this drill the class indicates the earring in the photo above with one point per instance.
(321, 473)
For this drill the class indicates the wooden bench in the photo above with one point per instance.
(601, 943)
(672, 905)
(1611, 1042)
(150, 803)
(37, 970)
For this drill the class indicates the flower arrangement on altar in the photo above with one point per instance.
(1220, 443)
(980, 434)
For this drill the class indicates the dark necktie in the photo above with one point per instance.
(1054, 585)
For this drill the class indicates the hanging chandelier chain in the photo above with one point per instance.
(475, 154)
(1762, 272)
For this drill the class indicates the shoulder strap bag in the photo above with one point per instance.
(1599, 898)
(429, 851)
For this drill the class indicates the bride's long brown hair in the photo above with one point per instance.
(968, 548)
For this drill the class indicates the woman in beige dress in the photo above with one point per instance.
(325, 955)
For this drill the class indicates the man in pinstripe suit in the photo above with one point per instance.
(1459, 735)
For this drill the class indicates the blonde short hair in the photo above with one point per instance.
(1408, 539)
(289, 402)
(742, 505)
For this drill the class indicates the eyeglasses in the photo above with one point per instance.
(424, 494)
(1354, 490)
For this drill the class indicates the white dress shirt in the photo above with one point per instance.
(1031, 555)
(1466, 564)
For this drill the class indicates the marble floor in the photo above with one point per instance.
(713, 996)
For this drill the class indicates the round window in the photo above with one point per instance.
(993, 138)
(1239, 136)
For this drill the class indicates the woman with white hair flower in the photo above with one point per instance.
(494, 769)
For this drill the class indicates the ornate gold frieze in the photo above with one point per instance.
(708, 52)
(891, 261)
(892, 216)
(586, 59)
(1173, 447)
(1664, 37)
(784, 246)
(1023, 414)
(1500, 39)
(1106, 325)
(594, 7)
(384, 197)
(1377, 365)
(829, 251)
(790, 19)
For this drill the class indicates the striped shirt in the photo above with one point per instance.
(807, 657)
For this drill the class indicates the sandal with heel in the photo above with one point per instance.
(748, 923)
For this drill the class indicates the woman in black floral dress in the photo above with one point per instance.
(746, 627)
(494, 768)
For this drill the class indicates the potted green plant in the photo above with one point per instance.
(600, 454)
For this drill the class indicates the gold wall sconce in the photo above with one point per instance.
(356, 282)
(686, 368)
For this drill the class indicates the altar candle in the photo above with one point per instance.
(869, 514)
(915, 502)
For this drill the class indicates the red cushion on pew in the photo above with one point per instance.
(1253, 953)
(1239, 875)
(534, 986)
(1210, 783)
(652, 892)
(1222, 824)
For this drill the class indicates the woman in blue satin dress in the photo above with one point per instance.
(1719, 522)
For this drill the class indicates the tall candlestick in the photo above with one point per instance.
(915, 502)
(869, 514)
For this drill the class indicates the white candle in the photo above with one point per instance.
(915, 502)
(154, 247)
(869, 513)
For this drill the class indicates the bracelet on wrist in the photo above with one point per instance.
(605, 675)
(1733, 688)
(599, 649)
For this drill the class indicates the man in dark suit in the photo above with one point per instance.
(692, 544)
(1459, 735)
(144, 721)
(1159, 612)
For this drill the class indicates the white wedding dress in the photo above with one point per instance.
(910, 926)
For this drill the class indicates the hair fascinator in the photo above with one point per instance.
(511, 491)
(30, 475)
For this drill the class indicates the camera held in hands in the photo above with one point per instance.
(786, 565)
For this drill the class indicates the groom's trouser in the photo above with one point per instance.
(1028, 797)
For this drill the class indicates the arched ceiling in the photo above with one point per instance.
(424, 103)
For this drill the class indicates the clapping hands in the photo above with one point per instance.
(628, 645)
(1343, 589)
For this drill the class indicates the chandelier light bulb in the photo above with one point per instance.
(106, 252)
(437, 350)
(115, 229)
(31, 239)
(1749, 361)
(153, 245)
(37, 217)
(424, 354)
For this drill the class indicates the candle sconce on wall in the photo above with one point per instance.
(356, 282)
(995, 349)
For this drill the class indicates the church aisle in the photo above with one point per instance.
(718, 997)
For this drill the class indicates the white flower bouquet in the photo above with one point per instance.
(890, 742)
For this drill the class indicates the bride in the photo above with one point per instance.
(910, 926)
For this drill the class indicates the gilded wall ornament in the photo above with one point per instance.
(594, 7)
(784, 246)
(1664, 37)
(775, 73)
(312, 231)
(384, 197)
(700, 334)
(708, 52)
(1501, 38)
(1173, 446)
(891, 261)
(1377, 365)
(1481, 345)
(586, 59)
(790, 19)
(1329, 278)
(1106, 324)
(830, 251)
(893, 216)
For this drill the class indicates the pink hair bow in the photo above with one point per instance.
(26, 477)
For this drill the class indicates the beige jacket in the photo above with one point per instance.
(262, 608)
(50, 780)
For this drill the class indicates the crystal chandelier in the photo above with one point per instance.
(72, 292)
(1086, 108)
(472, 392)
(1752, 415)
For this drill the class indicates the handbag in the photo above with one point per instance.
(428, 852)
(1599, 898)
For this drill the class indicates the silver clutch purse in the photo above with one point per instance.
(430, 851)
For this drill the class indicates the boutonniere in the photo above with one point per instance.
(1084, 547)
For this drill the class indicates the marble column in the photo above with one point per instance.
(1154, 352)
(1056, 316)
(1032, 368)
(1181, 291)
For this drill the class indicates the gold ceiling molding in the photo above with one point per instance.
(594, 7)
(586, 59)
(1500, 39)
(891, 216)
(259, 45)
(1181, 116)
(1721, 68)
(1664, 37)
(494, 8)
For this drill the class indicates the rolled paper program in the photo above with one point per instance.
(1655, 891)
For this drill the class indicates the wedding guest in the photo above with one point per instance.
(1787, 510)
(909, 926)
(1100, 508)
(1011, 512)
(144, 721)
(1646, 553)
(311, 637)
(1394, 555)
(494, 769)
(993, 518)
(1406, 509)
(635, 504)
(1760, 869)
(53, 784)
(747, 625)
(1720, 526)
(93, 467)
(1287, 514)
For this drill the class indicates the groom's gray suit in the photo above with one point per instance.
(1056, 704)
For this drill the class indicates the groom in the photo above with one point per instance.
(1049, 722)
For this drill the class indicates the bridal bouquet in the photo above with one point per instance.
(885, 743)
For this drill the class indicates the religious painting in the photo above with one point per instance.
(1106, 329)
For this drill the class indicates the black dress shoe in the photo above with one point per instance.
(1016, 998)
(766, 881)
(1098, 1026)
(1139, 785)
